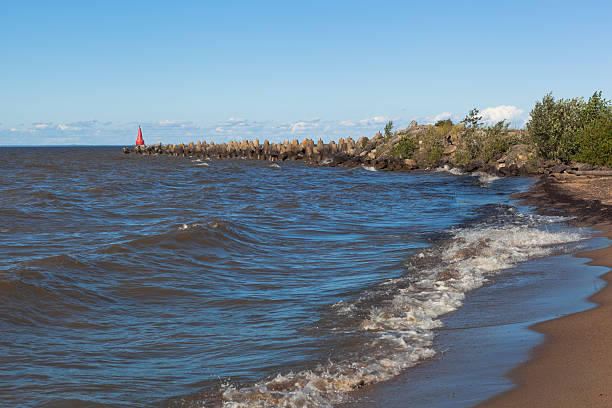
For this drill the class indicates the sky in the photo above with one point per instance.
(89, 73)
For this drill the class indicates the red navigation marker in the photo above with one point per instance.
(139, 140)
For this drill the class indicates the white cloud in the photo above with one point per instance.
(174, 123)
(442, 116)
(304, 125)
(179, 131)
(376, 120)
(502, 112)
(65, 128)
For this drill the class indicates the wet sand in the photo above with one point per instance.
(573, 368)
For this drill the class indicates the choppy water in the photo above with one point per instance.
(159, 281)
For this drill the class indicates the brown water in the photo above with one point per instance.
(159, 281)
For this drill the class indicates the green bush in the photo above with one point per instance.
(557, 127)
(496, 141)
(404, 149)
(595, 142)
(445, 122)
(434, 154)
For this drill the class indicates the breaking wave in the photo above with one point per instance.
(399, 316)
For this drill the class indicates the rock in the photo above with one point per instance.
(559, 168)
(473, 166)
(410, 164)
(520, 155)
(450, 149)
(340, 158)
(380, 165)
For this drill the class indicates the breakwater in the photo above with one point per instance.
(417, 147)
(347, 152)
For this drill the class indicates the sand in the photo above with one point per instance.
(573, 368)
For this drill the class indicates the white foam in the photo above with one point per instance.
(202, 164)
(185, 227)
(485, 178)
(274, 166)
(452, 170)
(369, 168)
(344, 308)
(403, 326)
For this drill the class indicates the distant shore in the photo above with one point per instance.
(573, 367)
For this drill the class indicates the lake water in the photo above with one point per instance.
(139, 281)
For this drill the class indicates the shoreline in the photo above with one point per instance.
(573, 367)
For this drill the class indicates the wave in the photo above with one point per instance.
(49, 288)
(400, 316)
(208, 236)
(484, 178)
(447, 169)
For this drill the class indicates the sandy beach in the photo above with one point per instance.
(573, 368)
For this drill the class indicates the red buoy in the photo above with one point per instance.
(139, 140)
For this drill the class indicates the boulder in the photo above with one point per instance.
(450, 149)
(410, 164)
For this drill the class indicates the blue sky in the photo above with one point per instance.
(81, 73)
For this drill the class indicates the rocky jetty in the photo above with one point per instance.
(344, 152)
(416, 147)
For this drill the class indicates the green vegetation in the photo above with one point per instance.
(404, 149)
(472, 120)
(432, 142)
(563, 130)
(595, 142)
(445, 122)
(496, 141)
(572, 129)
(434, 154)
(389, 129)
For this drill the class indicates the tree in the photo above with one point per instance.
(389, 129)
(472, 119)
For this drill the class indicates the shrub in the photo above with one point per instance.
(405, 148)
(496, 141)
(445, 122)
(462, 157)
(484, 144)
(434, 153)
(595, 142)
(557, 127)
(552, 125)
